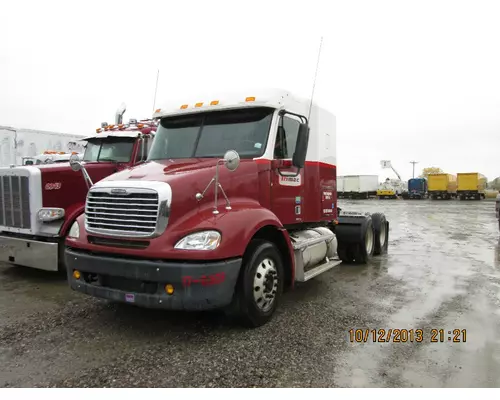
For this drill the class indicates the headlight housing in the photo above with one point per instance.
(204, 240)
(50, 214)
(74, 231)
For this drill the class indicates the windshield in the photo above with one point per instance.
(114, 149)
(213, 133)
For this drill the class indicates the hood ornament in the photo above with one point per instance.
(231, 160)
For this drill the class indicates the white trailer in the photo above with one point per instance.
(340, 186)
(16, 144)
(360, 186)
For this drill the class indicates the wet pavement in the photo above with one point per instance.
(442, 272)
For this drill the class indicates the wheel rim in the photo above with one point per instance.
(369, 240)
(265, 285)
(382, 234)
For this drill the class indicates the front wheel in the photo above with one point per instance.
(260, 284)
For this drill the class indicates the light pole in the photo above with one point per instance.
(413, 162)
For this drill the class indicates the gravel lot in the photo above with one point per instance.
(442, 272)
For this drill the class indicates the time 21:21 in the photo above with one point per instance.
(455, 336)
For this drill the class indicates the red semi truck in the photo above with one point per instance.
(236, 203)
(38, 204)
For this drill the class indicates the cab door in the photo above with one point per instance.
(287, 182)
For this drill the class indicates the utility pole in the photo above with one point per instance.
(413, 162)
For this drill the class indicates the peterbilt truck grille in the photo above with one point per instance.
(15, 202)
(133, 214)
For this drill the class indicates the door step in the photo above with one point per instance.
(319, 269)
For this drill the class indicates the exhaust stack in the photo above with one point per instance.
(119, 114)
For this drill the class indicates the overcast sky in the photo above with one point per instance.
(407, 80)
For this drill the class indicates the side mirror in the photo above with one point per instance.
(299, 156)
(74, 162)
(232, 160)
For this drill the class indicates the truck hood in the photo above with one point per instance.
(165, 170)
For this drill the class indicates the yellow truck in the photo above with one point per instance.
(442, 186)
(471, 185)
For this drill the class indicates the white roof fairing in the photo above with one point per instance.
(322, 123)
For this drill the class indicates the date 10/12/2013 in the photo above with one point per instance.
(407, 336)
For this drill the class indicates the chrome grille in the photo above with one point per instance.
(15, 202)
(132, 214)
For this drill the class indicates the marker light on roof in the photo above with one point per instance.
(140, 126)
(184, 106)
(121, 126)
(111, 126)
(214, 103)
(250, 99)
(98, 130)
(158, 110)
(198, 104)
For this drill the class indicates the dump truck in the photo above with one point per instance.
(471, 185)
(39, 203)
(236, 203)
(417, 188)
(359, 186)
(442, 186)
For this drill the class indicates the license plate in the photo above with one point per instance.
(130, 298)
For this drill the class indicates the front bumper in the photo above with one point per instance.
(197, 286)
(29, 253)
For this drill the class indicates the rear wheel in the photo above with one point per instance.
(381, 234)
(260, 284)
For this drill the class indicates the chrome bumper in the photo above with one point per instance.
(29, 253)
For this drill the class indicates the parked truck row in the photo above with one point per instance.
(464, 186)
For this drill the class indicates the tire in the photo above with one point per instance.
(62, 268)
(262, 272)
(381, 234)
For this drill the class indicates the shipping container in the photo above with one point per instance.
(443, 186)
(471, 185)
(360, 186)
(17, 144)
(417, 188)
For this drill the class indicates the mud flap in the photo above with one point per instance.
(351, 233)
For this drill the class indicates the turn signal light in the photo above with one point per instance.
(140, 126)
(157, 110)
(169, 289)
(76, 274)
(250, 99)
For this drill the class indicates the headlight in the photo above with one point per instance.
(74, 231)
(206, 240)
(50, 214)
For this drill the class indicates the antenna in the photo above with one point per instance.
(156, 88)
(315, 76)
(413, 162)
